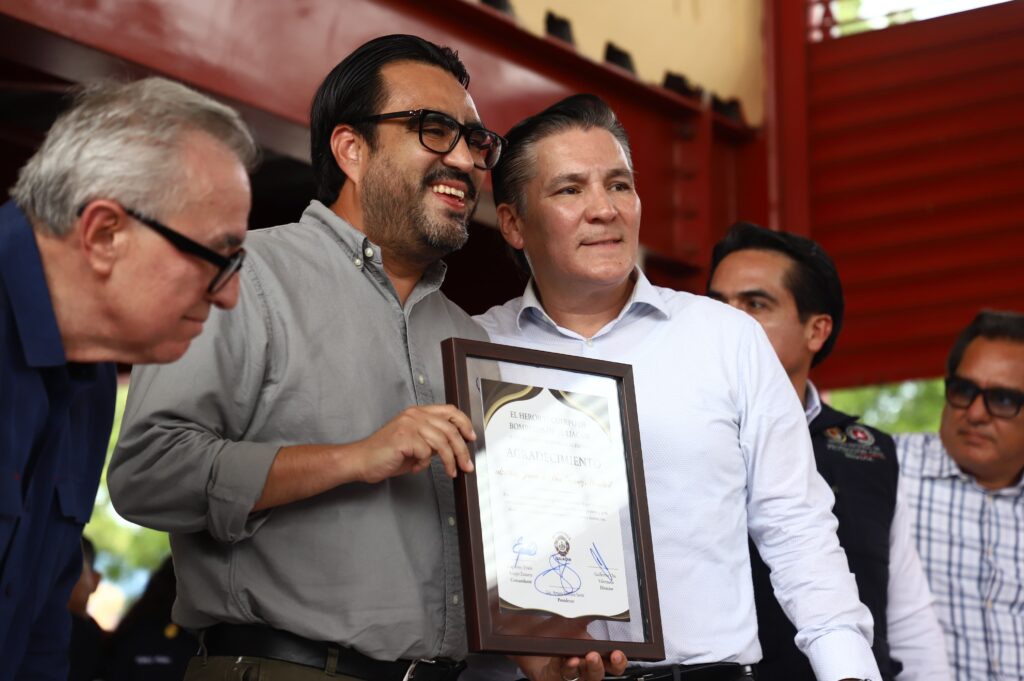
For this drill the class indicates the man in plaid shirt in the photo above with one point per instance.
(964, 486)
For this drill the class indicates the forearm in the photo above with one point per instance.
(303, 471)
(405, 444)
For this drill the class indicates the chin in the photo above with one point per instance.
(168, 351)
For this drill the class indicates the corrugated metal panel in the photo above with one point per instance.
(916, 157)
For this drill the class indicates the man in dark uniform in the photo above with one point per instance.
(790, 285)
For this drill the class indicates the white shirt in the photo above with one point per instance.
(971, 541)
(915, 637)
(725, 451)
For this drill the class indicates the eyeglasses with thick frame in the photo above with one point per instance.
(226, 265)
(439, 133)
(1002, 403)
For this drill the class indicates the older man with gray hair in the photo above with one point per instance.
(124, 229)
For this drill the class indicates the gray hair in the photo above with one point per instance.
(123, 141)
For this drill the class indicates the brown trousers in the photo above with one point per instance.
(234, 668)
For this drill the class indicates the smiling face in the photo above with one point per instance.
(159, 298)
(991, 449)
(581, 226)
(416, 202)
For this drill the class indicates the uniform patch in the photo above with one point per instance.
(860, 434)
(836, 434)
(855, 442)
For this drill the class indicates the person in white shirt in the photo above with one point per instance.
(724, 440)
(791, 287)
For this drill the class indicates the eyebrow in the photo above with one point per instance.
(749, 294)
(580, 178)
(228, 241)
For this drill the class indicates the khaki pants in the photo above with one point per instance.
(233, 668)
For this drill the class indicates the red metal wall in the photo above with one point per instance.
(915, 166)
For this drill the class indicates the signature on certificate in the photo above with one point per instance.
(559, 579)
(599, 559)
(522, 548)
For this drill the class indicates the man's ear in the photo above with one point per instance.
(101, 233)
(510, 225)
(818, 328)
(350, 152)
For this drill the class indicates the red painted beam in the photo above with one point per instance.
(786, 115)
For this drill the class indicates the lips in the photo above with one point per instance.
(973, 436)
(606, 241)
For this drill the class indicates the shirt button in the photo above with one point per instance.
(368, 252)
(988, 605)
(455, 599)
(451, 521)
(590, 342)
(420, 379)
(358, 262)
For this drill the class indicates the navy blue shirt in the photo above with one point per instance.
(55, 420)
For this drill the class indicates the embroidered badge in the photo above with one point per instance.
(860, 434)
(836, 434)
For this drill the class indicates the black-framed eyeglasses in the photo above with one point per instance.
(226, 266)
(439, 133)
(1003, 403)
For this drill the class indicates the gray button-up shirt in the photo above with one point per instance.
(319, 350)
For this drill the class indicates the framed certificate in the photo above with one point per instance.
(554, 534)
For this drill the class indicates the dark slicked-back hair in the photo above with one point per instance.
(990, 324)
(355, 89)
(518, 163)
(812, 278)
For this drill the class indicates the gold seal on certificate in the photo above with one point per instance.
(554, 536)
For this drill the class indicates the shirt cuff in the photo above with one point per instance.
(239, 477)
(842, 655)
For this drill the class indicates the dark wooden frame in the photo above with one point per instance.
(480, 620)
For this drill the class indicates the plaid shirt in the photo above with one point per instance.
(971, 542)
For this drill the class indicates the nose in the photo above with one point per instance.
(976, 411)
(460, 157)
(227, 297)
(601, 208)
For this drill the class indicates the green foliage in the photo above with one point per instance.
(123, 548)
(909, 407)
(850, 21)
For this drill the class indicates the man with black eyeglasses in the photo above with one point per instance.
(966, 490)
(303, 460)
(87, 278)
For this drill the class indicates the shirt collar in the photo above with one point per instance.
(21, 268)
(644, 295)
(812, 402)
(361, 251)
